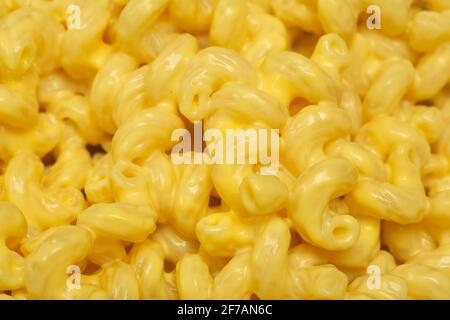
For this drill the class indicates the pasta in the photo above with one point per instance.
(225, 149)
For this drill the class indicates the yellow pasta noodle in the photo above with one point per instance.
(224, 149)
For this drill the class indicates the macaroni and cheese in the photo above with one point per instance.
(355, 95)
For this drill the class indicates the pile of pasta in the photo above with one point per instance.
(359, 208)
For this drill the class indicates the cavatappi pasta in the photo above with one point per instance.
(93, 206)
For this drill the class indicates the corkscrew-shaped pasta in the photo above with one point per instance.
(241, 186)
(257, 263)
(83, 49)
(42, 207)
(147, 259)
(304, 277)
(255, 33)
(206, 73)
(145, 132)
(64, 98)
(224, 149)
(33, 54)
(135, 21)
(13, 229)
(289, 75)
(164, 73)
(406, 154)
(71, 159)
(320, 125)
(41, 138)
(309, 205)
(192, 16)
(47, 278)
(109, 84)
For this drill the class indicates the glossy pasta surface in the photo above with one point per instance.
(225, 149)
